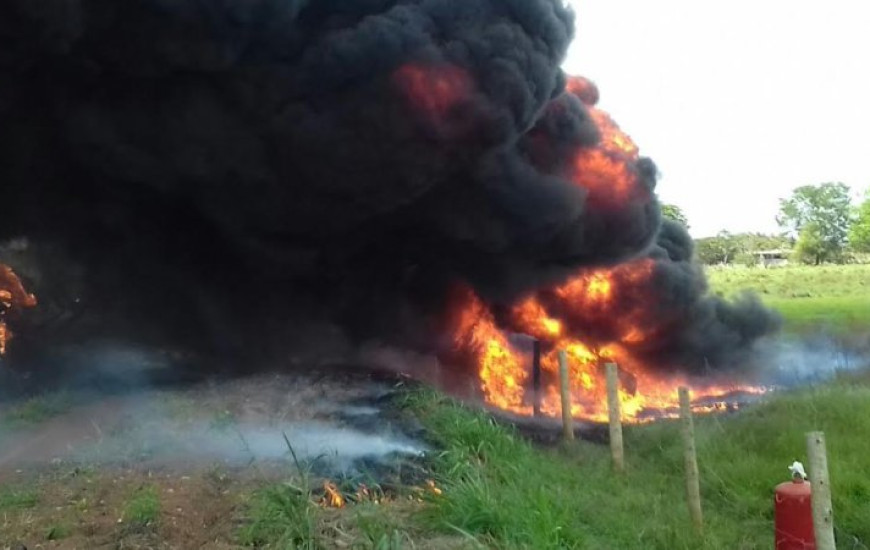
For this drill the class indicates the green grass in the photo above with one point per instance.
(832, 296)
(11, 499)
(36, 409)
(143, 508)
(507, 494)
(380, 530)
(500, 491)
(835, 312)
(57, 532)
(283, 516)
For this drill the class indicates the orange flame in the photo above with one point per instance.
(504, 371)
(606, 170)
(430, 484)
(583, 88)
(13, 296)
(433, 90)
(597, 316)
(332, 497)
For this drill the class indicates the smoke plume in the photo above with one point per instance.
(217, 173)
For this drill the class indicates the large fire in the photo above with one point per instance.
(606, 170)
(504, 370)
(13, 297)
(597, 316)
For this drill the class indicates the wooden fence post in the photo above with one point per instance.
(565, 386)
(536, 378)
(693, 490)
(613, 409)
(823, 510)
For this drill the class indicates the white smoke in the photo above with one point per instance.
(793, 361)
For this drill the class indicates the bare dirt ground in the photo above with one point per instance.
(200, 507)
(71, 474)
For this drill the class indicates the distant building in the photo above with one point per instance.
(773, 258)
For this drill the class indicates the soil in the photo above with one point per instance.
(200, 507)
(66, 481)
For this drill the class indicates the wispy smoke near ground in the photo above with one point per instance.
(233, 422)
(220, 173)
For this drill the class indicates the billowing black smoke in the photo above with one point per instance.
(708, 333)
(223, 172)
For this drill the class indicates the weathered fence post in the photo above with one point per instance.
(823, 511)
(693, 490)
(613, 409)
(565, 385)
(536, 378)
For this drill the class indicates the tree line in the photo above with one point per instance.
(819, 224)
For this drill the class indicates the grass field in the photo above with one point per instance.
(808, 296)
(509, 495)
(498, 491)
(491, 489)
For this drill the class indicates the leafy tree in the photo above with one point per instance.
(754, 242)
(726, 248)
(811, 246)
(675, 213)
(859, 234)
(747, 258)
(720, 249)
(818, 217)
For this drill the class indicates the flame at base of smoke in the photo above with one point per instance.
(503, 368)
(13, 297)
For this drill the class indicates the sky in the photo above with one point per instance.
(737, 101)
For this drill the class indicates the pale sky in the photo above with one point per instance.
(737, 101)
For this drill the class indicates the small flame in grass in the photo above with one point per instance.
(430, 484)
(13, 296)
(364, 494)
(332, 497)
(421, 493)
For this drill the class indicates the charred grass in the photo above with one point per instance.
(505, 493)
(293, 514)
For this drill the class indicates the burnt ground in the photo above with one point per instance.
(74, 466)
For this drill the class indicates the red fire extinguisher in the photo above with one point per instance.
(793, 512)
